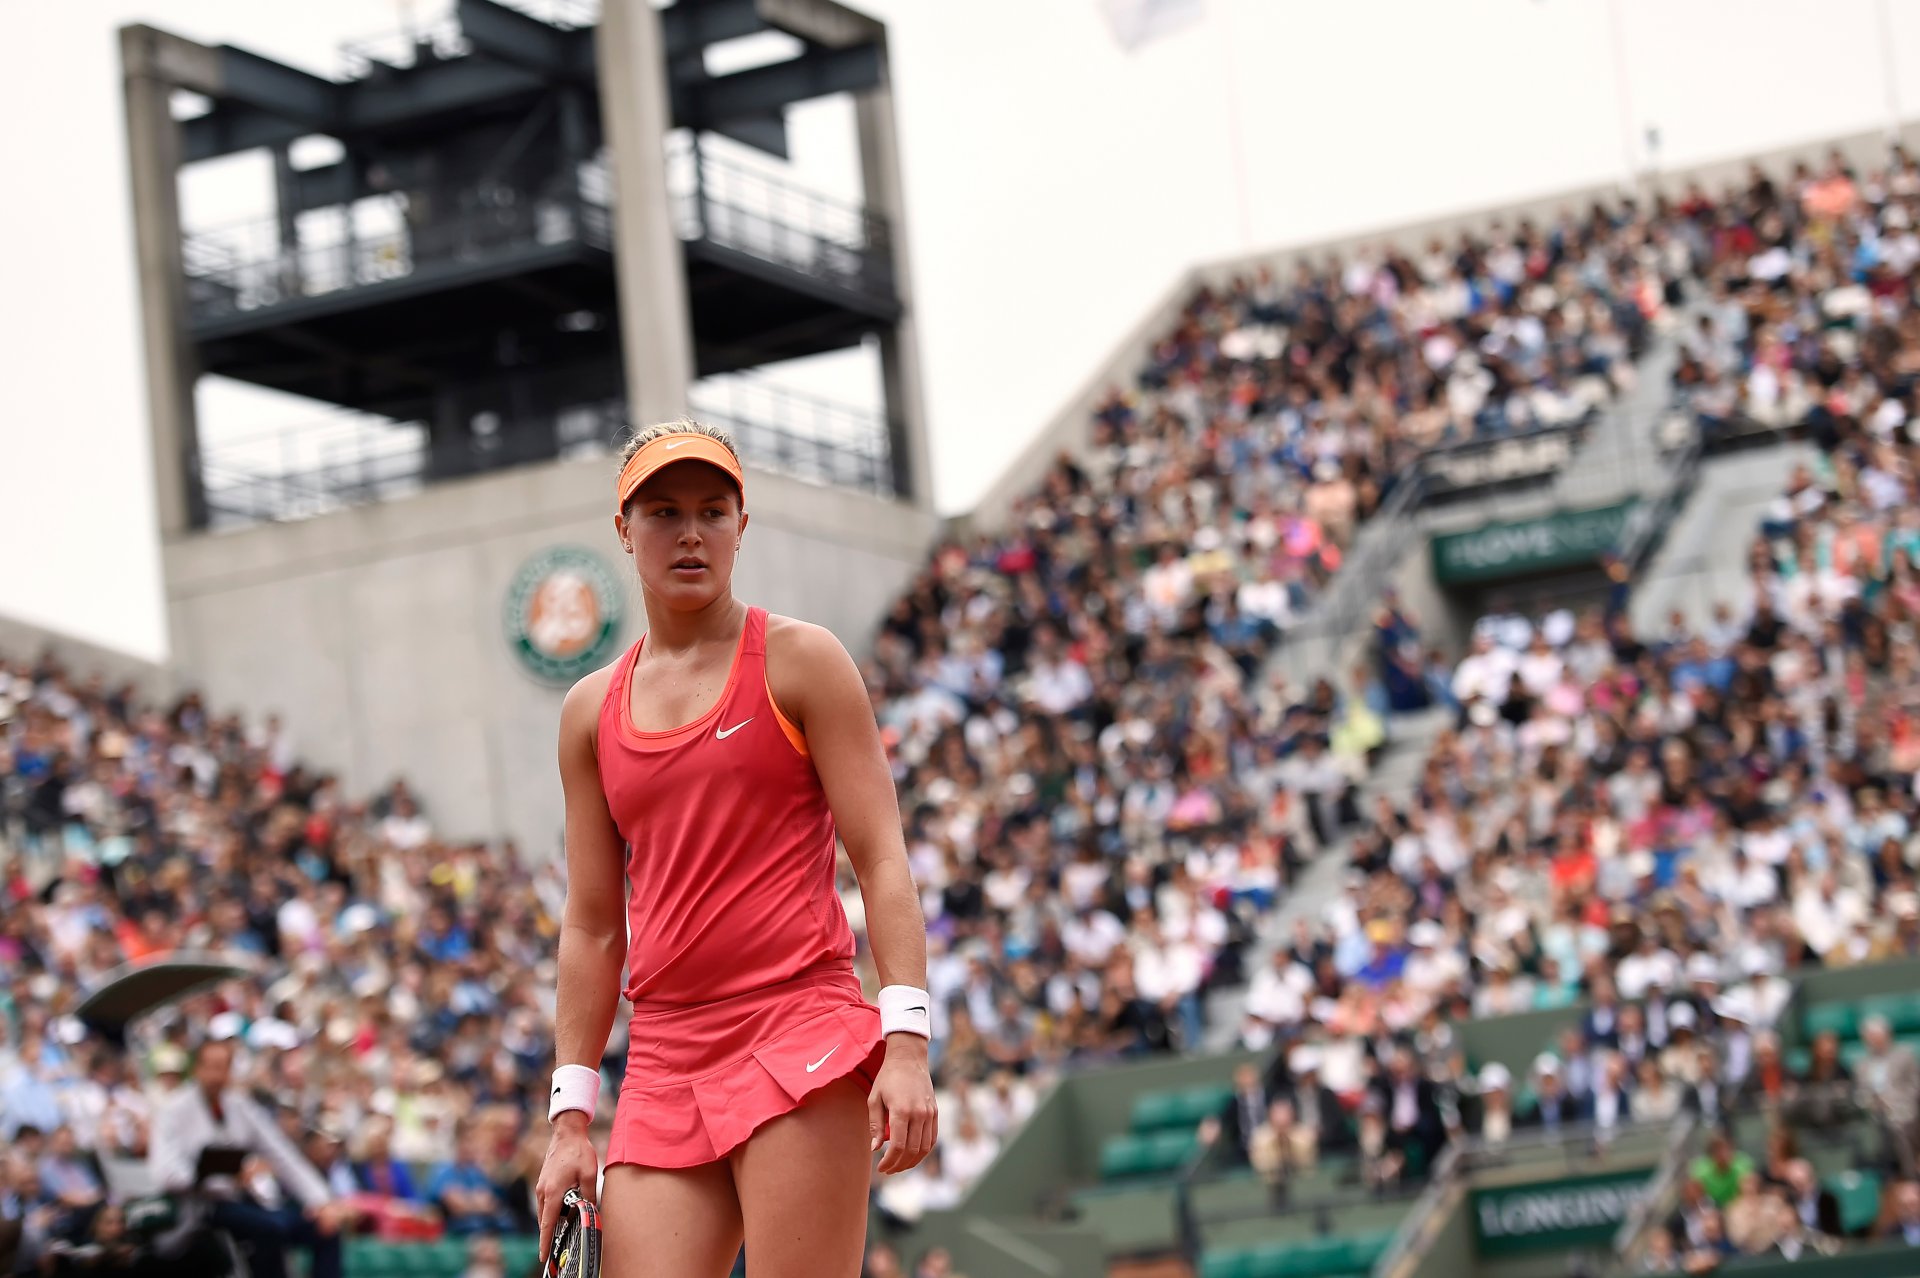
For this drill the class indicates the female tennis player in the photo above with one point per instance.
(725, 750)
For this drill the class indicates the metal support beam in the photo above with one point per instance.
(818, 73)
(279, 89)
(325, 187)
(232, 127)
(767, 133)
(692, 25)
(442, 89)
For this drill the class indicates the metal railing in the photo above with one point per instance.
(313, 468)
(1660, 1190)
(800, 435)
(1575, 1148)
(246, 266)
(1207, 1165)
(748, 209)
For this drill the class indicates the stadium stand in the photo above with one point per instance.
(1106, 788)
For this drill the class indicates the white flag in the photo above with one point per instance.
(1139, 22)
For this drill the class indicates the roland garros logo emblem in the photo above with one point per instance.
(563, 614)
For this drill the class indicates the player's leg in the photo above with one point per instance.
(802, 1180)
(669, 1223)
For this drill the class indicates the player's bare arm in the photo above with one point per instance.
(817, 685)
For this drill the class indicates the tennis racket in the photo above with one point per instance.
(576, 1240)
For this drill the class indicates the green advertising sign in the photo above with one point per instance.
(1564, 539)
(1581, 1211)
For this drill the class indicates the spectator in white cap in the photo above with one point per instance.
(1553, 1108)
(1315, 1106)
(1679, 1060)
(1490, 1117)
(1765, 995)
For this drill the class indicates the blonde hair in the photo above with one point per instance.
(685, 426)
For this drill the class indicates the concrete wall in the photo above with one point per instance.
(378, 632)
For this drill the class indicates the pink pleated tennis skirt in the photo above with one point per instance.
(702, 1077)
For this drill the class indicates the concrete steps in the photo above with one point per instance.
(1319, 882)
(1703, 558)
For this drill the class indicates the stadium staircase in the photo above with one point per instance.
(1618, 456)
(1704, 557)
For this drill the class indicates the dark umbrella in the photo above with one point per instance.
(133, 990)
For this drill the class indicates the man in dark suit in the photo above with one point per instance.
(1817, 1208)
(1411, 1109)
(1247, 1110)
(1710, 1097)
(1315, 1107)
(1553, 1106)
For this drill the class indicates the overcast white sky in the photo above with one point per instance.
(1057, 184)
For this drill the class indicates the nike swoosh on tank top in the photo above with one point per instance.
(730, 843)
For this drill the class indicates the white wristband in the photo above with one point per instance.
(905, 1010)
(575, 1087)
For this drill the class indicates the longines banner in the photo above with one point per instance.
(1554, 1214)
(1564, 539)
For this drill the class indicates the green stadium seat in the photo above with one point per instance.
(1227, 1263)
(446, 1258)
(368, 1258)
(1858, 1193)
(1160, 1111)
(1901, 1010)
(1202, 1103)
(1155, 1110)
(1276, 1260)
(1172, 1149)
(1123, 1156)
(1365, 1250)
(1838, 1017)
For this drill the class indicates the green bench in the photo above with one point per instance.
(1160, 1111)
(1329, 1257)
(1153, 1154)
(446, 1258)
(1844, 1019)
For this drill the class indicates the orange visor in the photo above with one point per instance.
(667, 450)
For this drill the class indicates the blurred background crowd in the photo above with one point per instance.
(1107, 788)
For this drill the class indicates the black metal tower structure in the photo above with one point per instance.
(520, 225)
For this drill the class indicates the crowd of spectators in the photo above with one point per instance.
(399, 1013)
(1805, 320)
(1660, 826)
(1103, 787)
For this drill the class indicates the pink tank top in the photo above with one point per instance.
(730, 844)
